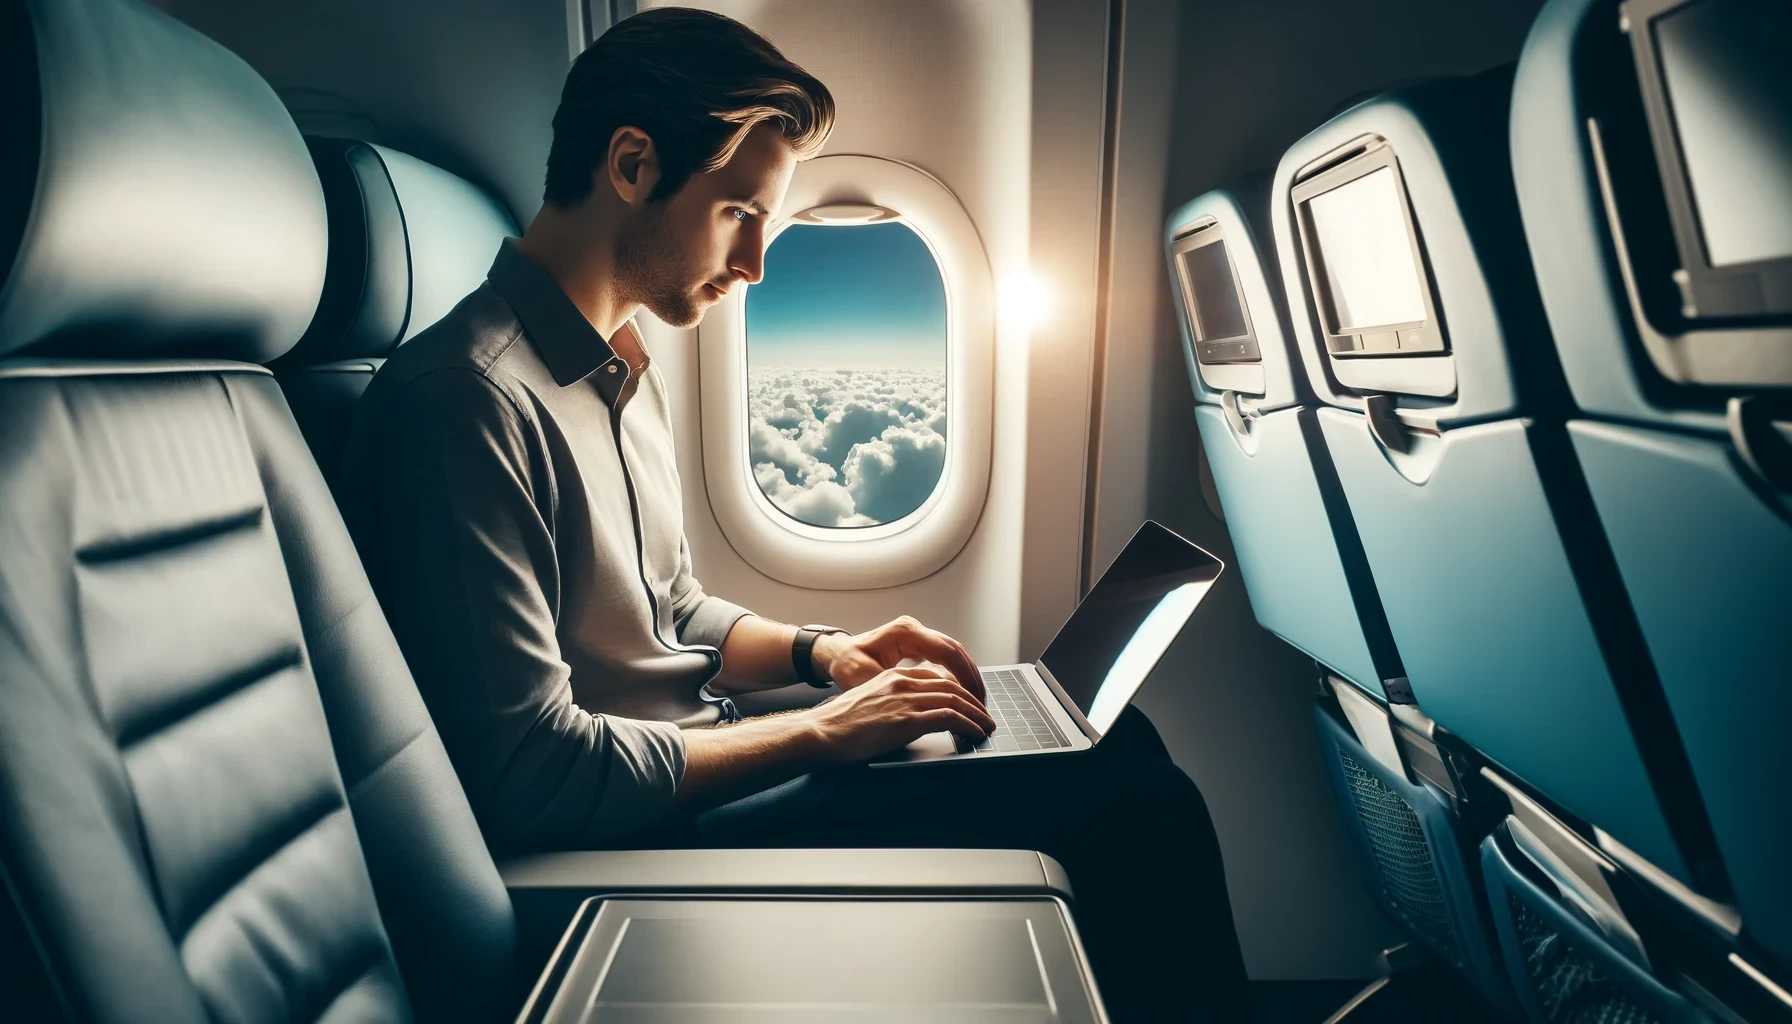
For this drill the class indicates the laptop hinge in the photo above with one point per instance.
(1070, 707)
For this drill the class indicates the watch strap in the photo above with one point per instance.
(802, 654)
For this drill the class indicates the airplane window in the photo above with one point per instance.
(848, 403)
(846, 374)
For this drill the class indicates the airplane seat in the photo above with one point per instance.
(1422, 335)
(1298, 550)
(407, 241)
(220, 798)
(1307, 578)
(1650, 147)
(1444, 410)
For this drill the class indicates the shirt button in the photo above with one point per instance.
(610, 368)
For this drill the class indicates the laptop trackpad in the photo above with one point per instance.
(930, 747)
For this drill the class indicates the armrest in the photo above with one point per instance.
(972, 959)
(547, 889)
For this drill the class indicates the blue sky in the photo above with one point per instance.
(848, 297)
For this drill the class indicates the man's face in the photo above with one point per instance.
(680, 255)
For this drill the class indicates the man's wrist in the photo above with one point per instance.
(812, 743)
(824, 651)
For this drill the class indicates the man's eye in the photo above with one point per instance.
(739, 215)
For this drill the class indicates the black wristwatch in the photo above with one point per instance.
(802, 651)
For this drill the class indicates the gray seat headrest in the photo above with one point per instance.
(408, 240)
(162, 204)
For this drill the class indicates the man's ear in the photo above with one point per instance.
(632, 164)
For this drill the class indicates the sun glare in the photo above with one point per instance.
(1024, 302)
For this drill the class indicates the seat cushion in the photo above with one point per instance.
(174, 826)
(444, 906)
(220, 792)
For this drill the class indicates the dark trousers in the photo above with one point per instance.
(1129, 827)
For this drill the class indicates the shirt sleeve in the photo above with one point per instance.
(700, 618)
(473, 593)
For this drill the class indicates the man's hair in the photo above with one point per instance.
(695, 82)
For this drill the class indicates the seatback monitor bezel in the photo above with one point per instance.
(1237, 348)
(1423, 337)
(1739, 291)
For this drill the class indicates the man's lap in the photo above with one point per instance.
(1007, 802)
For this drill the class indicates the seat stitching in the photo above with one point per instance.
(289, 656)
(327, 804)
(372, 968)
(270, 953)
(172, 538)
(386, 761)
(328, 631)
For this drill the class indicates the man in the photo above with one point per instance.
(515, 497)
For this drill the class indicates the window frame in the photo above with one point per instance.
(924, 541)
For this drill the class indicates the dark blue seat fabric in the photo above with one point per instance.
(221, 797)
(1417, 855)
(1297, 546)
(1561, 965)
(408, 240)
(1702, 540)
(1489, 560)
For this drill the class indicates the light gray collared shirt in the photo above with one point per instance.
(513, 491)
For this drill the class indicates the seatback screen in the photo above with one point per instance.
(1212, 293)
(1729, 81)
(1367, 254)
(1120, 630)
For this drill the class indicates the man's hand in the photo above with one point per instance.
(852, 660)
(892, 710)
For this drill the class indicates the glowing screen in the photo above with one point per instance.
(1367, 254)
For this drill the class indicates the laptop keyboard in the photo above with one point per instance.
(1021, 724)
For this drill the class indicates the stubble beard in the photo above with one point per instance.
(650, 267)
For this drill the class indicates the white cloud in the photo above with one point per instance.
(846, 447)
(888, 477)
(767, 445)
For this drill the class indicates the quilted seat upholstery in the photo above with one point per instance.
(221, 797)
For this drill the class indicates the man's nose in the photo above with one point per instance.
(748, 262)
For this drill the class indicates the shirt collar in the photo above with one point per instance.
(565, 340)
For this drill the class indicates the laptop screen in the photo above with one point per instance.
(1120, 630)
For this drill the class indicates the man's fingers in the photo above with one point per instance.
(959, 702)
(915, 677)
(932, 645)
(959, 661)
(911, 680)
(947, 718)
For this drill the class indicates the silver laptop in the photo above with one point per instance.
(1066, 700)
